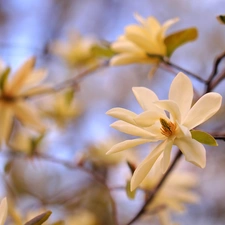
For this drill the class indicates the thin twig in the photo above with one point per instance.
(214, 71)
(159, 185)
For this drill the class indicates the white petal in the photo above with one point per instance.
(194, 151)
(145, 98)
(165, 161)
(127, 144)
(3, 211)
(28, 116)
(203, 109)
(132, 130)
(122, 114)
(148, 118)
(171, 107)
(143, 169)
(181, 92)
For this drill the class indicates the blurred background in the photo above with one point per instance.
(28, 28)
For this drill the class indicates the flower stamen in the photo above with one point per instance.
(168, 128)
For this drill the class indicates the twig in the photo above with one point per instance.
(159, 185)
(214, 71)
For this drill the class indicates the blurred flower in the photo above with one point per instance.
(3, 211)
(141, 41)
(154, 125)
(62, 107)
(96, 154)
(13, 94)
(83, 218)
(23, 140)
(76, 51)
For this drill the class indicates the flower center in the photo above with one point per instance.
(168, 128)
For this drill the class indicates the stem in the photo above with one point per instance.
(167, 62)
(159, 185)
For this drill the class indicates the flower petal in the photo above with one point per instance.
(20, 77)
(6, 121)
(3, 211)
(28, 116)
(127, 58)
(145, 98)
(126, 145)
(148, 118)
(122, 114)
(182, 96)
(166, 25)
(203, 109)
(165, 161)
(132, 130)
(194, 151)
(171, 107)
(143, 169)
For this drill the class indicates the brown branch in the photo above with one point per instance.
(159, 185)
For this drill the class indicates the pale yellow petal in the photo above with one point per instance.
(143, 169)
(20, 77)
(132, 129)
(122, 114)
(165, 161)
(182, 96)
(203, 109)
(3, 211)
(145, 98)
(193, 151)
(127, 144)
(28, 116)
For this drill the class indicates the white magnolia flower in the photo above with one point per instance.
(154, 125)
(140, 41)
(3, 211)
(13, 93)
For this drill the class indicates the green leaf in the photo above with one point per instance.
(4, 77)
(69, 95)
(203, 137)
(221, 19)
(35, 142)
(102, 51)
(130, 194)
(179, 38)
(40, 219)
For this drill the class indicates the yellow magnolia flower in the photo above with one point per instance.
(3, 211)
(76, 51)
(13, 94)
(140, 41)
(155, 125)
(62, 107)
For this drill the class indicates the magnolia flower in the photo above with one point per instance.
(140, 41)
(154, 125)
(176, 191)
(13, 94)
(76, 51)
(3, 211)
(62, 107)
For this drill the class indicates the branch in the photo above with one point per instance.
(159, 185)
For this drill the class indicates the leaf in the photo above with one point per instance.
(69, 95)
(40, 219)
(4, 77)
(203, 137)
(130, 194)
(179, 38)
(102, 51)
(221, 19)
